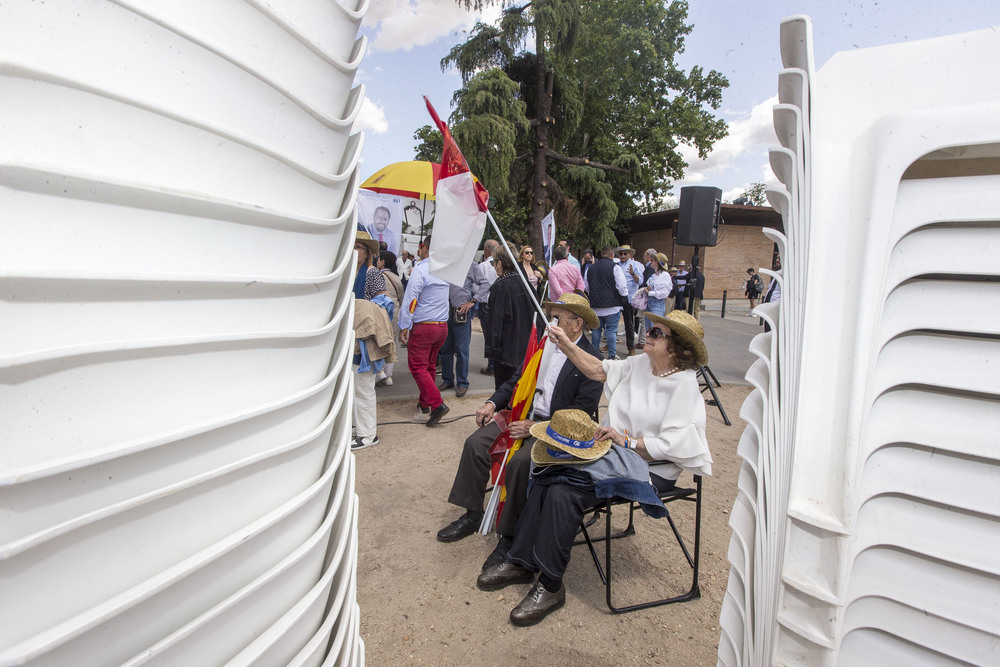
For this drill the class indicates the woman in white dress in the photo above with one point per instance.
(655, 408)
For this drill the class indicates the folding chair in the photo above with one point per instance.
(673, 495)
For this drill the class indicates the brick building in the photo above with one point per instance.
(741, 244)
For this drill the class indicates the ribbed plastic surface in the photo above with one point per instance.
(868, 522)
(178, 183)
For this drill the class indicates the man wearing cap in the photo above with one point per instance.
(606, 286)
(633, 271)
(559, 386)
(563, 276)
(423, 328)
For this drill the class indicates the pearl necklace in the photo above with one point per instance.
(670, 372)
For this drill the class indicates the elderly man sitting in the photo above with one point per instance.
(560, 386)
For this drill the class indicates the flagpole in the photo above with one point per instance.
(524, 279)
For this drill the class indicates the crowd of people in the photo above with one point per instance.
(433, 319)
(654, 427)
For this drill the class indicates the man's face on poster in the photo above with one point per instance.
(381, 219)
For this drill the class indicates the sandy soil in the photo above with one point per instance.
(418, 597)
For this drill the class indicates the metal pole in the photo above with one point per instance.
(524, 278)
(724, 292)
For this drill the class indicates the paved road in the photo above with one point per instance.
(728, 343)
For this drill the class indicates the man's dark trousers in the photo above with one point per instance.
(473, 476)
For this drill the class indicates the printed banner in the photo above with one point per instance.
(381, 216)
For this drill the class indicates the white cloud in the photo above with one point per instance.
(748, 136)
(371, 117)
(404, 24)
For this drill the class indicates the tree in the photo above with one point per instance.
(754, 194)
(430, 144)
(596, 110)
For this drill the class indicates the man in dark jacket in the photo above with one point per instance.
(510, 316)
(560, 386)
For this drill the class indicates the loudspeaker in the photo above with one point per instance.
(698, 218)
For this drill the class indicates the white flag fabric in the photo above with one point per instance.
(460, 211)
(458, 228)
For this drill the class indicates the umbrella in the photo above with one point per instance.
(415, 179)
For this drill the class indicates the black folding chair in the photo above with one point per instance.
(673, 495)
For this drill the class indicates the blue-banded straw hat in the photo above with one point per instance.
(568, 438)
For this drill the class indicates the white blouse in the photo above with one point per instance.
(668, 413)
(661, 284)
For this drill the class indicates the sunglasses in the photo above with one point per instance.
(529, 252)
(655, 333)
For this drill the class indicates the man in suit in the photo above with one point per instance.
(379, 229)
(560, 386)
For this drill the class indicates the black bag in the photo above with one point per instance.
(459, 317)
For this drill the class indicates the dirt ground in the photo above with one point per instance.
(418, 597)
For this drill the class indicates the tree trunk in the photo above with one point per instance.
(543, 110)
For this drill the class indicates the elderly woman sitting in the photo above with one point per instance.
(655, 408)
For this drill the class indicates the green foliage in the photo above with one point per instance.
(430, 144)
(755, 194)
(579, 105)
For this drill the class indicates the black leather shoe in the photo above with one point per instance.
(436, 414)
(536, 605)
(503, 575)
(499, 554)
(463, 526)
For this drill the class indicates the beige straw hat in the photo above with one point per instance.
(663, 260)
(366, 238)
(576, 304)
(567, 439)
(687, 327)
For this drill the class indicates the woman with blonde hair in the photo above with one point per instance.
(525, 261)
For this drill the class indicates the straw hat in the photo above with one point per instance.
(568, 438)
(687, 327)
(664, 262)
(576, 304)
(626, 248)
(366, 238)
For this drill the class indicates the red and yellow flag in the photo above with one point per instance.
(504, 447)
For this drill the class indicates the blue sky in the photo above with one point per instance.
(408, 38)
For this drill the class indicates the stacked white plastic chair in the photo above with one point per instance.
(867, 526)
(178, 183)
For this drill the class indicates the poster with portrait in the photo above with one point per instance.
(548, 236)
(381, 215)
